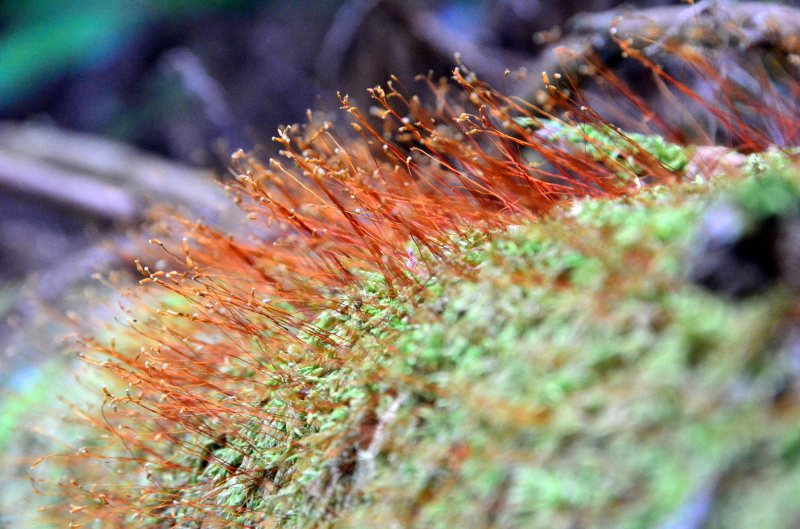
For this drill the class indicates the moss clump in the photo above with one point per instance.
(575, 378)
(617, 149)
(772, 194)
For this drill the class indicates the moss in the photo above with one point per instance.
(579, 380)
(568, 375)
(611, 146)
(770, 192)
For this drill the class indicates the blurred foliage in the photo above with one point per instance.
(43, 39)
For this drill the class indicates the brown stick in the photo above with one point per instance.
(146, 178)
(66, 188)
(750, 23)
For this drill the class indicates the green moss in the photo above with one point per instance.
(569, 376)
(772, 192)
(586, 382)
(612, 146)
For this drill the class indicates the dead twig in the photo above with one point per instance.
(67, 188)
(97, 175)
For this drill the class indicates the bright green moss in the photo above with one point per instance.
(572, 378)
(612, 146)
(591, 384)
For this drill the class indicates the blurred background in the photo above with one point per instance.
(108, 107)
